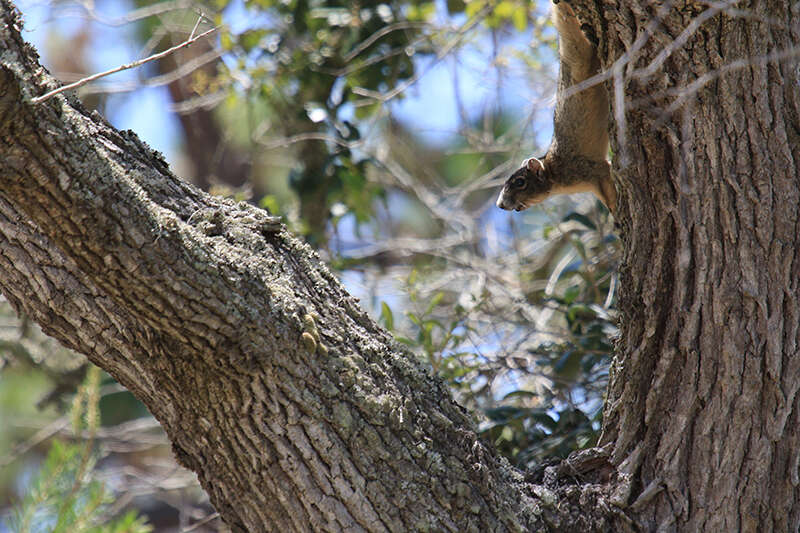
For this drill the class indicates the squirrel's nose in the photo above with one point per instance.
(501, 202)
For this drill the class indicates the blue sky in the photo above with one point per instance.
(429, 106)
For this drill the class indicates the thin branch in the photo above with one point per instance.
(132, 16)
(620, 117)
(204, 521)
(181, 71)
(40, 436)
(311, 136)
(205, 101)
(441, 54)
(688, 91)
(380, 33)
(192, 38)
(626, 58)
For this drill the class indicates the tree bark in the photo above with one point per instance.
(296, 411)
(703, 412)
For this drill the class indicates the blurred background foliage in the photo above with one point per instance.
(381, 132)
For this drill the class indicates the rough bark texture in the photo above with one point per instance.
(296, 411)
(703, 411)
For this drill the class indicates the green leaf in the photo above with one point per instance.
(505, 413)
(578, 244)
(226, 40)
(436, 300)
(455, 6)
(422, 12)
(386, 316)
(507, 434)
(545, 420)
(580, 312)
(473, 7)
(504, 9)
(270, 203)
(571, 293)
(65, 496)
(583, 219)
(251, 38)
(569, 364)
(520, 18)
(429, 324)
(366, 111)
(520, 394)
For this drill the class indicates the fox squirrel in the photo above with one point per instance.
(576, 159)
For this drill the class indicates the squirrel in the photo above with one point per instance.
(576, 158)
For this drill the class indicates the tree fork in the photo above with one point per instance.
(298, 412)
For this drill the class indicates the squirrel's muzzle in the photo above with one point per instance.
(503, 203)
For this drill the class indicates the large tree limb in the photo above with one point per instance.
(296, 411)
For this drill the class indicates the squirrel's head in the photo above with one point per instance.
(526, 187)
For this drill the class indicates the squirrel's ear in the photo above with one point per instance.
(533, 164)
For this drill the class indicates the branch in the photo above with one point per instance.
(192, 38)
(295, 409)
(181, 71)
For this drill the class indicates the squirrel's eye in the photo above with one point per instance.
(519, 183)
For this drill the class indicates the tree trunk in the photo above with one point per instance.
(298, 413)
(702, 409)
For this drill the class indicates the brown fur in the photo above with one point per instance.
(576, 159)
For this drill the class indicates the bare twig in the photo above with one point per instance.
(132, 16)
(688, 91)
(380, 33)
(620, 117)
(681, 39)
(156, 81)
(311, 136)
(441, 54)
(205, 101)
(202, 522)
(40, 436)
(192, 38)
(628, 57)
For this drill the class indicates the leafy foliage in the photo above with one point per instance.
(65, 497)
(325, 71)
(321, 67)
(549, 401)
